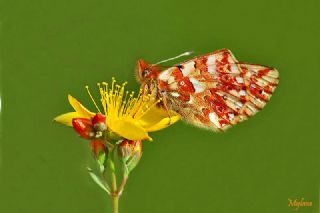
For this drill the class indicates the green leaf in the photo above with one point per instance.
(101, 159)
(125, 170)
(133, 162)
(99, 181)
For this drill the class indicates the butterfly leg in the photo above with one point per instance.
(165, 105)
(144, 89)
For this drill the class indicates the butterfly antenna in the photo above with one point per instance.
(173, 58)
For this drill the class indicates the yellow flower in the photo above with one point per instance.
(126, 115)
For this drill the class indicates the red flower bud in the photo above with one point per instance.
(130, 153)
(126, 148)
(83, 127)
(98, 118)
(99, 122)
(97, 147)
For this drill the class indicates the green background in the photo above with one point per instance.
(52, 48)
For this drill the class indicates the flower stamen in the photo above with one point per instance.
(120, 104)
(95, 104)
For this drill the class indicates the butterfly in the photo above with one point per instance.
(213, 91)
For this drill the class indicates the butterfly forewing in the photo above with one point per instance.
(215, 91)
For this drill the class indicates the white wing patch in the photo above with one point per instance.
(187, 68)
(239, 80)
(175, 94)
(211, 64)
(166, 74)
(214, 119)
(235, 68)
(197, 85)
(211, 60)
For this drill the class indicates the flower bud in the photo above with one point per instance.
(97, 148)
(130, 153)
(83, 127)
(99, 151)
(99, 122)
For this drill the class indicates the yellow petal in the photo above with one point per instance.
(158, 118)
(66, 118)
(79, 108)
(129, 130)
(165, 122)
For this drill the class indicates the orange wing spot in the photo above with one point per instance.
(225, 58)
(177, 74)
(201, 64)
(205, 111)
(213, 90)
(163, 85)
(218, 106)
(206, 119)
(243, 69)
(227, 78)
(215, 96)
(184, 97)
(257, 91)
(243, 99)
(185, 86)
(263, 72)
(202, 119)
(224, 122)
(268, 89)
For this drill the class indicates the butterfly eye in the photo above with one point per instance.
(145, 73)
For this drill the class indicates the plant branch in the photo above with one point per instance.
(121, 187)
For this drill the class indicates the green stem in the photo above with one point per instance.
(114, 194)
(115, 203)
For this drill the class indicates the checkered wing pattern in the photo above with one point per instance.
(215, 91)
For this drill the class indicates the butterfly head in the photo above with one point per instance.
(145, 71)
